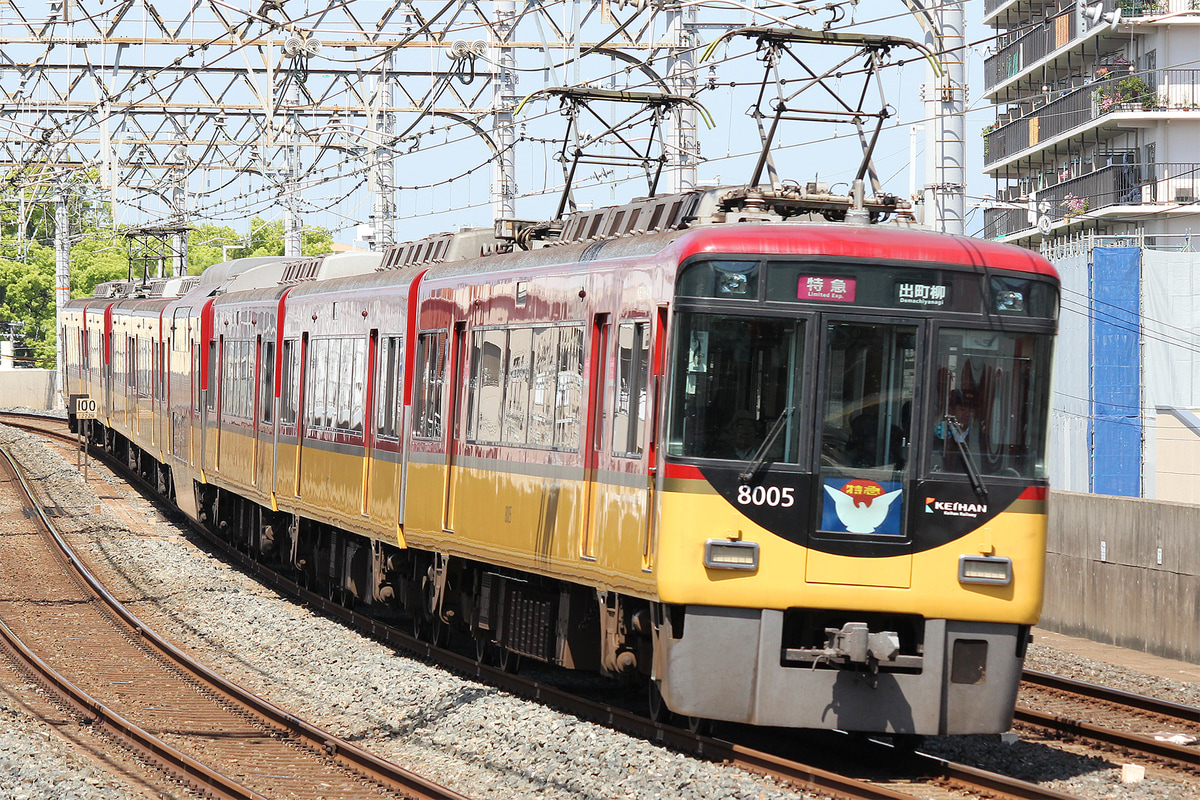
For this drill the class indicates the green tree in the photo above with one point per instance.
(99, 257)
(27, 305)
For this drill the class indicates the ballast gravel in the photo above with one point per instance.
(470, 736)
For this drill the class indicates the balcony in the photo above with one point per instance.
(1058, 32)
(1161, 186)
(1083, 109)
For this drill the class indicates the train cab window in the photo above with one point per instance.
(869, 374)
(431, 368)
(989, 410)
(734, 379)
(629, 409)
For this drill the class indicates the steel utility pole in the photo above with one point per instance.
(381, 182)
(681, 140)
(504, 101)
(62, 276)
(945, 115)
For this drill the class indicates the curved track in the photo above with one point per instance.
(81, 644)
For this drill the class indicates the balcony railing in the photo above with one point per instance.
(1165, 185)
(1035, 44)
(1177, 90)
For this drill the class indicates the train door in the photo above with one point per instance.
(196, 426)
(595, 497)
(867, 381)
(257, 408)
(368, 423)
(304, 399)
(106, 369)
(454, 428)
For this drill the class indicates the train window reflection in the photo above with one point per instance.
(633, 361)
(991, 394)
(516, 401)
(431, 363)
(733, 378)
(487, 385)
(870, 372)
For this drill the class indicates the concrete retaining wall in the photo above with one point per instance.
(1125, 571)
(29, 388)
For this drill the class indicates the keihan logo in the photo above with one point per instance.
(862, 505)
(952, 509)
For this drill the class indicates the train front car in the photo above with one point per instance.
(852, 522)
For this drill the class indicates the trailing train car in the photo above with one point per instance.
(787, 472)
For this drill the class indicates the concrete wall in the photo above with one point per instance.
(1125, 571)
(29, 388)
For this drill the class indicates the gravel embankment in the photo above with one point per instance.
(473, 737)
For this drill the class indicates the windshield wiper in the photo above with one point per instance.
(960, 438)
(760, 455)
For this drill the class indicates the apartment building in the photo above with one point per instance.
(1098, 120)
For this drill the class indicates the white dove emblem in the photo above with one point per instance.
(863, 518)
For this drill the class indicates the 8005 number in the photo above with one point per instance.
(772, 496)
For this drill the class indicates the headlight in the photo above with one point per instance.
(985, 569)
(725, 554)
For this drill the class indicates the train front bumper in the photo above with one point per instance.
(729, 664)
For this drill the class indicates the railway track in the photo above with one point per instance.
(938, 777)
(76, 640)
(1128, 722)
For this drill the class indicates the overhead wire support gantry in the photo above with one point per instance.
(777, 102)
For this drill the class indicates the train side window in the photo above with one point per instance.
(545, 382)
(388, 405)
(358, 383)
(211, 401)
(487, 384)
(229, 379)
(517, 386)
(568, 400)
(266, 396)
(431, 363)
(245, 380)
(318, 368)
(131, 364)
(340, 371)
(289, 389)
(633, 361)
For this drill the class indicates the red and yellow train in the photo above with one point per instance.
(789, 472)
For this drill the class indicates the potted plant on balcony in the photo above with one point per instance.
(1075, 206)
(1127, 94)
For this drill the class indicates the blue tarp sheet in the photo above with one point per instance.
(1116, 368)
